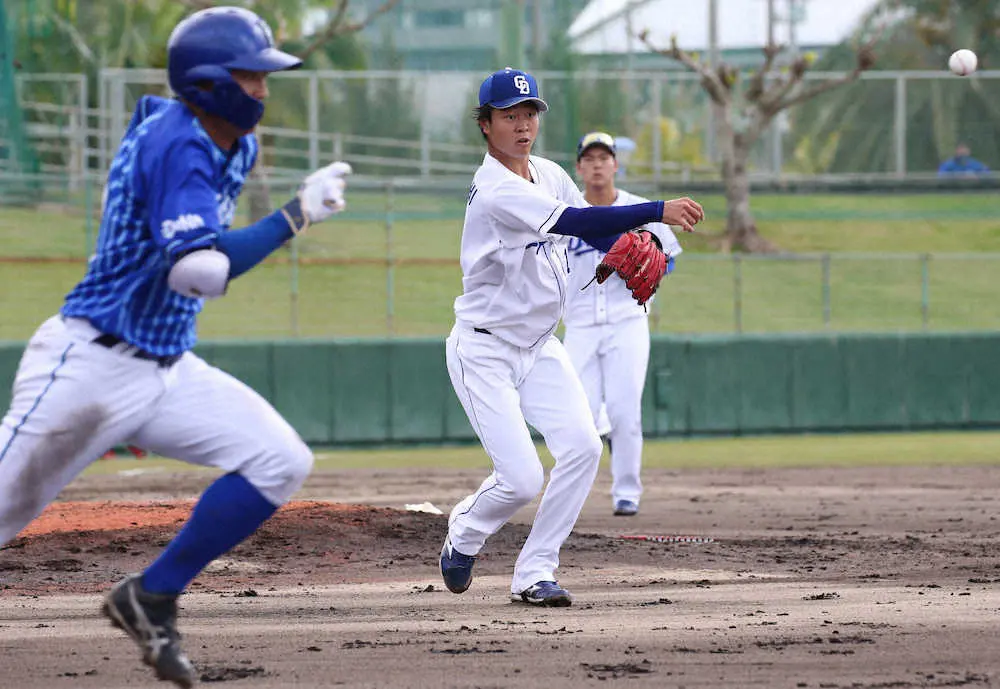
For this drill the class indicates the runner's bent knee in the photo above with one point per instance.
(280, 470)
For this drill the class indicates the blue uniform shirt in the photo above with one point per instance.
(962, 166)
(170, 189)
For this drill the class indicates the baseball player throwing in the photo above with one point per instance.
(607, 332)
(115, 366)
(505, 364)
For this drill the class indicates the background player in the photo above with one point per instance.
(607, 332)
(505, 364)
(114, 367)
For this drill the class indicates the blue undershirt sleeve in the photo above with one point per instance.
(248, 246)
(600, 226)
(604, 244)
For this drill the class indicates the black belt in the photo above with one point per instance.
(484, 331)
(109, 341)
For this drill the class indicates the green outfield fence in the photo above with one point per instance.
(378, 392)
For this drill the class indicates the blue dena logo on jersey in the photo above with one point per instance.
(185, 223)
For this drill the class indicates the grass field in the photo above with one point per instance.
(959, 448)
(372, 273)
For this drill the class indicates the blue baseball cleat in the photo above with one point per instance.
(546, 593)
(456, 568)
(626, 508)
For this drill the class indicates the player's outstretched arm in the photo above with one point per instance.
(320, 196)
(684, 212)
(206, 272)
(600, 226)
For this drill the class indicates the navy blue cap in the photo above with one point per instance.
(508, 87)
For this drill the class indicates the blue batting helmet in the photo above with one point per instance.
(205, 46)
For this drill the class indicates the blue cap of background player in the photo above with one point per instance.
(602, 139)
(508, 87)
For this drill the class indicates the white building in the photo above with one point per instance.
(602, 28)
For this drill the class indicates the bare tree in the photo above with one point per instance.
(259, 190)
(742, 116)
(339, 26)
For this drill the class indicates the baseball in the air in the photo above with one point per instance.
(963, 62)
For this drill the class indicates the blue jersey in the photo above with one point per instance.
(170, 189)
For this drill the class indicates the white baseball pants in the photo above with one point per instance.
(74, 400)
(504, 388)
(611, 360)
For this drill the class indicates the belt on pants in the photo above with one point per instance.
(484, 331)
(110, 341)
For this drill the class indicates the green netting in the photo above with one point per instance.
(18, 163)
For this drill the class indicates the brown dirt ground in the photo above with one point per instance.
(863, 578)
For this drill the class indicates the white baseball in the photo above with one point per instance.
(963, 62)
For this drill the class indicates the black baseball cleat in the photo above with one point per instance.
(456, 568)
(626, 508)
(151, 620)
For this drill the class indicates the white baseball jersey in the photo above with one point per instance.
(513, 270)
(611, 302)
(509, 370)
(607, 339)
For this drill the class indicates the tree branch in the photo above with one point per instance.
(331, 30)
(866, 60)
(756, 123)
(816, 90)
(717, 84)
(770, 98)
(336, 26)
(756, 86)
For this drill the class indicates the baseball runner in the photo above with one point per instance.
(115, 366)
(607, 332)
(504, 362)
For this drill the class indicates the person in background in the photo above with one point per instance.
(962, 164)
(607, 332)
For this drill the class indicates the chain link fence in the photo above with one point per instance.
(388, 267)
(419, 124)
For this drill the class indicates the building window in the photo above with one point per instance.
(439, 18)
(478, 19)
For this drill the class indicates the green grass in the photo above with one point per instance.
(359, 294)
(766, 452)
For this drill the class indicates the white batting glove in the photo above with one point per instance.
(320, 195)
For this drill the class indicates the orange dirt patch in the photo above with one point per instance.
(66, 517)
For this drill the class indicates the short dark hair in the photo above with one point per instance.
(484, 113)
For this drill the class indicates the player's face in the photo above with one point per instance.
(254, 84)
(514, 130)
(597, 167)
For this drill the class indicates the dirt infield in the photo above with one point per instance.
(867, 578)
